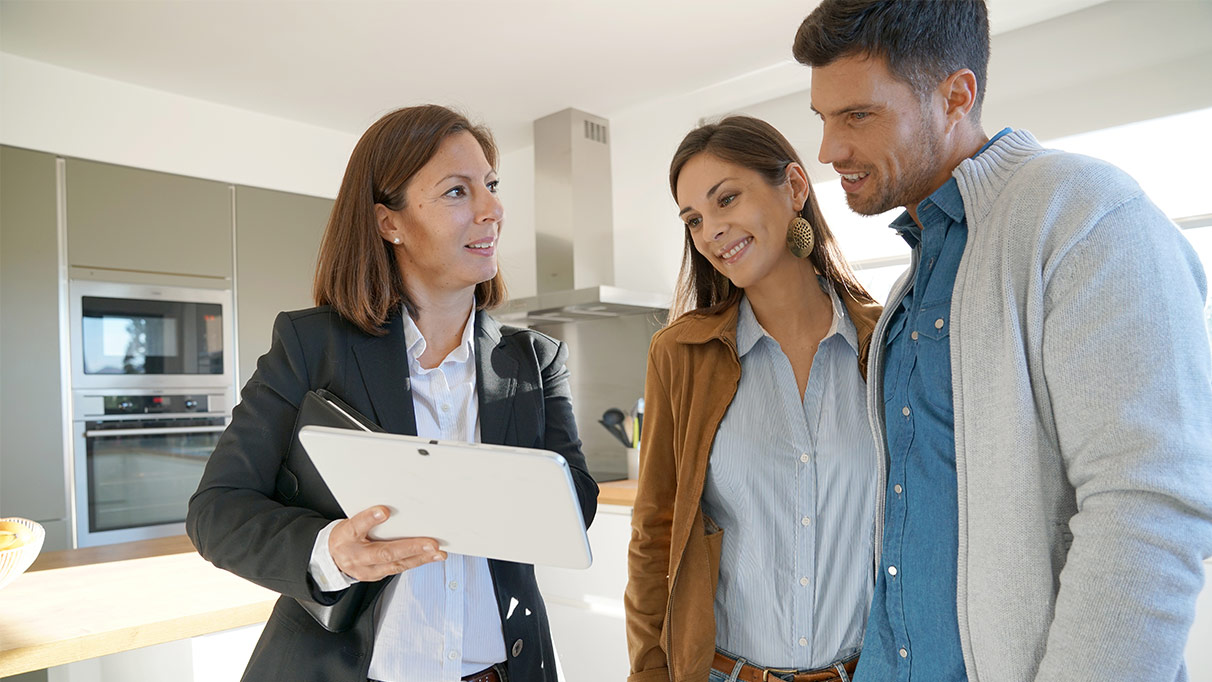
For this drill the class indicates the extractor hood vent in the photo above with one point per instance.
(574, 236)
(595, 132)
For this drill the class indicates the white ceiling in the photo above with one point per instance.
(340, 65)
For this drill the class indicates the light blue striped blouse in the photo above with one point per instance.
(792, 484)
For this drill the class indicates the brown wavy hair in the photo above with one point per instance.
(356, 272)
(754, 144)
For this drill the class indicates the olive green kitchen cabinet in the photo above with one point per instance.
(32, 463)
(121, 218)
(277, 239)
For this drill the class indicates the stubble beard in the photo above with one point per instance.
(914, 182)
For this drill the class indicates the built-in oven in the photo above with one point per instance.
(152, 387)
(149, 336)
(138, 456)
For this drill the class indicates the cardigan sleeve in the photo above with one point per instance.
(1126, 361)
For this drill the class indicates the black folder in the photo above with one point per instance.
(322, 408)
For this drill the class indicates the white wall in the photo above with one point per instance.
(1032, 77)
(647, 231)
(57, 110)
(516, 252)
(61, 111)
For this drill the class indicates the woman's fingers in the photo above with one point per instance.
(367, 560)
(360, 524)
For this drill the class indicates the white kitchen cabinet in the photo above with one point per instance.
(586, 607)
(217, 657)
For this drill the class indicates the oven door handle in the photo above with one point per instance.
(165, 431)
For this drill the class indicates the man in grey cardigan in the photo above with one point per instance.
(1040, 378)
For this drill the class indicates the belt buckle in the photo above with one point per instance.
(781, 671)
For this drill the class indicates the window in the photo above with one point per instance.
(1201, 239)
(1167, 156)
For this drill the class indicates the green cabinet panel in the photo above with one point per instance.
(32, 461)
(131, 219)
(277, 240)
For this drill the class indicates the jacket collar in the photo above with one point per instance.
(496, 379)
(699, 328)
(383, 364)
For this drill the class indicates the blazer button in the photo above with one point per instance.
(517, 648)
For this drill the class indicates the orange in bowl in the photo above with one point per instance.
(20, 542)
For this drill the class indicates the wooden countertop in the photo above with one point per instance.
(78, 604)
(617, 492)
(65, 613)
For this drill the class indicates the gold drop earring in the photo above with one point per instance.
(800, 237)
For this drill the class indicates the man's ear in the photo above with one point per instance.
(959, 92)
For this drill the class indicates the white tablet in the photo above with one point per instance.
(514, 504)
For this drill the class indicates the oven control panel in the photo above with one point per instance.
(131, 404)
(155, 404)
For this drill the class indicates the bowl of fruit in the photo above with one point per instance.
(20, 542)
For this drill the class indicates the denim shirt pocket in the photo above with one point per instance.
(935, 320)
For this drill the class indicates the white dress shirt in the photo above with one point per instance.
(437, 622)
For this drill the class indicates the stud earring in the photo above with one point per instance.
(800, 237)
(396, 240)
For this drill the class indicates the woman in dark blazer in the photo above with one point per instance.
(407, 268)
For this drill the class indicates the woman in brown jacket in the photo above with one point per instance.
(751, 553)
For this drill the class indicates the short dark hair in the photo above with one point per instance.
(357, 273)
(923, 41)
(754, 144)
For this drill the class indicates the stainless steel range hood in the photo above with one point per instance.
(574, 236)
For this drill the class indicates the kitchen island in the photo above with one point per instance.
(80, 604)
(85, 603)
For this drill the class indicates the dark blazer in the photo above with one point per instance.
(241, 520)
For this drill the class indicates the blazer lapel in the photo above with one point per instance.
(383, 363)
(496, 375)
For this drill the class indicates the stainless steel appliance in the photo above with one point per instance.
(138, 456)
(152, 387)
(574, 229)
(149, 336)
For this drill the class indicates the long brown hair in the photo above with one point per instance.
(754, 144)
(356, 272)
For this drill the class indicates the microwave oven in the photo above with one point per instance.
(141, 336)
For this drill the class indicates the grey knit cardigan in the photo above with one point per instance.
(1083, 422)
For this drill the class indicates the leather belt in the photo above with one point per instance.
(749, 673)
(486, 675)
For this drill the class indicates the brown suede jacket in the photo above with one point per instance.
(673, 563)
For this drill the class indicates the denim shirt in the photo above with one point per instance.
(913, 631)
